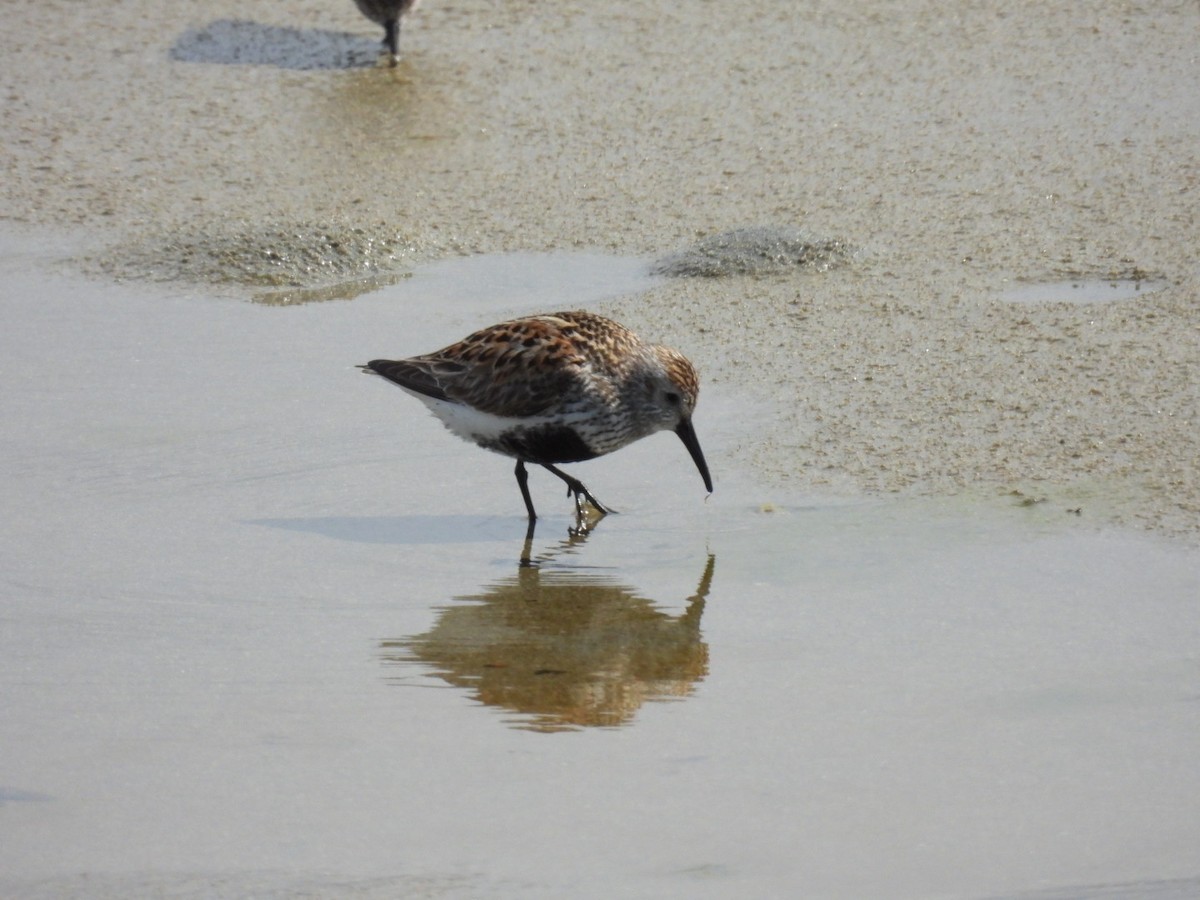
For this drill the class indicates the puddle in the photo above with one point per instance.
(304, 263)
(1095, 290)
(343, 290)
(534, 282)
(267, 630)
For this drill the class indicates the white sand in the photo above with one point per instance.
(962, 149)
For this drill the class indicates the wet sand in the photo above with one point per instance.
(961, 151)
(265, 628)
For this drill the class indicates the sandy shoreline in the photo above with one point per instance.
(961, 151)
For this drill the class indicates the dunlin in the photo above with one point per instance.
(387, 13)
(556, 388)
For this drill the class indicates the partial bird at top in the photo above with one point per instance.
(387, 13)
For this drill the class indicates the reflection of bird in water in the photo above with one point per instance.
(564, 648)
(387, 13)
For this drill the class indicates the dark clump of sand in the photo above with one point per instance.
(757, 250)
(300, 255)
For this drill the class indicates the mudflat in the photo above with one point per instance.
(993, 169)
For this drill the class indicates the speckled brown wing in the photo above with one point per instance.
(605, 344)
(517, 369)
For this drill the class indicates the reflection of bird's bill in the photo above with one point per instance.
(688, 435)
(563, 646)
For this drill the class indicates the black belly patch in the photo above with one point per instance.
(545, 444)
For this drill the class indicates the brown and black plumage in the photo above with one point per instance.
(556, 388)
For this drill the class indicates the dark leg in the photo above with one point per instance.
(523, 484)
(576, 489)
(391, 38)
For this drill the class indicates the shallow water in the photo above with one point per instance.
(267, 631)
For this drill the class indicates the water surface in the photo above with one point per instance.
(267, 631)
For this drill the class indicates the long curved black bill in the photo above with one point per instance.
(688, 436)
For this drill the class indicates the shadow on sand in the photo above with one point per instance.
(237, 42)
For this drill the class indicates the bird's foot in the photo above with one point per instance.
(587, 515)
(576, 489)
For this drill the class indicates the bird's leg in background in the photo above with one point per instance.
(391, 40)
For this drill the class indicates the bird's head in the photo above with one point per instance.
(674, 390)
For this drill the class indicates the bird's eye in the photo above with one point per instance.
(672, 398)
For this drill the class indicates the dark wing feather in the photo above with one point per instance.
(516, 369)
(408, 374)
